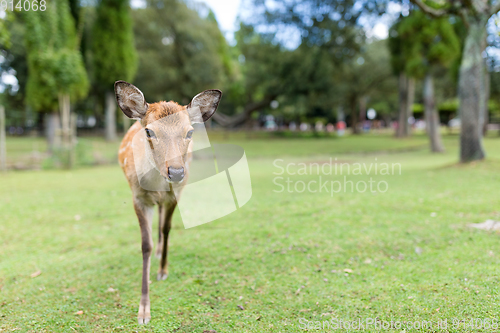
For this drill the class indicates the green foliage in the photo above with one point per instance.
(419, 43)
(14, 59)
(370, 76)
(180, 52)
(4, 33)
(113, 50)
(55, 64)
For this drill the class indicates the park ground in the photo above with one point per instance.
(70, 254)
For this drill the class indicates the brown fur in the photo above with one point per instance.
(170, 148)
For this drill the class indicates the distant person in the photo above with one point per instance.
(330, 128)
(292, 126)
(341, 128)
(366, 126)
(304, 127)
(318, 126)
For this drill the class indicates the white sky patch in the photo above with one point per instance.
(380, 31)
(226, 13)
(138, 4)
(8, 79)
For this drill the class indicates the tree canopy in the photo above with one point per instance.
(113, 50)
(55, 64)
(420, 43)
(180, 52)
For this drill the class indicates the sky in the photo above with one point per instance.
(226, 12)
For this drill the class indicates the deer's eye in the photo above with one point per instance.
(150, 134)
(189, 134)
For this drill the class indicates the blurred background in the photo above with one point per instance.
(305, 83)
(309, 68)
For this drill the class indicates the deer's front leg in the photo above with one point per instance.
(144, 214)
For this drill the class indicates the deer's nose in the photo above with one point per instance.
(175, 174)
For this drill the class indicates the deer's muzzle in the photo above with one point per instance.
(175, 174)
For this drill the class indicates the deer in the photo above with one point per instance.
(169, 154)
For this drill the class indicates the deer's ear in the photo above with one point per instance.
(130, 100)
(203, 105)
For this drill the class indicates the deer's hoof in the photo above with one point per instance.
(162, 276)
(144, 315)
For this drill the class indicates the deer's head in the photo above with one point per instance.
(167, 126)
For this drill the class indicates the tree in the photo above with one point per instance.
(406, 83)
(428, 45)
(55, 67)
(4, 33)
(266, 73)
(5, 43)
(113, 52)
(475, 15)
(179, 51)
(329, 35)
(13, 52)
(364, 76)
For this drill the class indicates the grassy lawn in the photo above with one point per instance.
(403, 255)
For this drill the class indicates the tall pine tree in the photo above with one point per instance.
(113, 52)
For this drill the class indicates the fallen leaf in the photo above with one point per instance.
(79, 312)
(241, 307)
(35, 274)
(347, 270)
(111, 290)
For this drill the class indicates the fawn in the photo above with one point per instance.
(167, 128)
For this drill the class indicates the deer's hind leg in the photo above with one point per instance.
(168, 211)
(161, 221)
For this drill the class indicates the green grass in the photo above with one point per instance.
(281, 257)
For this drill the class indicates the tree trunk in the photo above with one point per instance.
(410, 99)
(241, 118)
(432, 116)
(340, 113)
(471, 98)
(401, 131)
(3, 144)
(110, 116)
(64, 107)
(52, 130)
(486, 91)
(66, 132)
(354, 115)
(363, 101)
